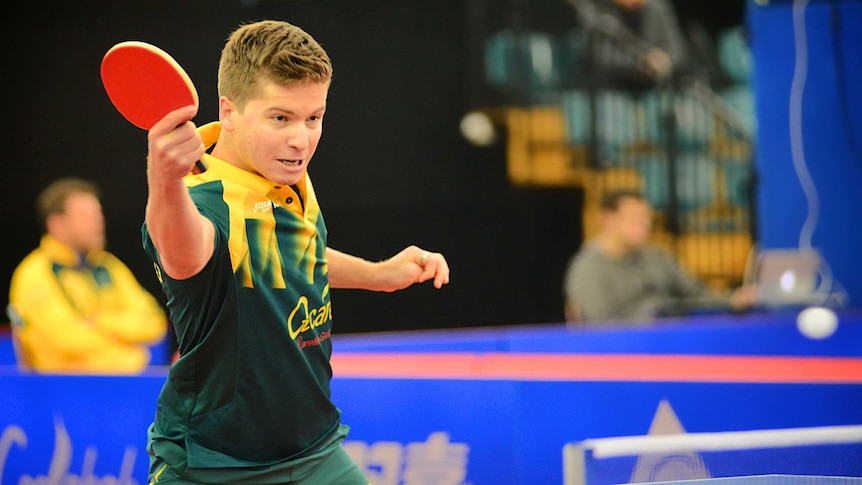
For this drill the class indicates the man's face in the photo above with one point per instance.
(82, 225)
(632, 222)
(277, 132)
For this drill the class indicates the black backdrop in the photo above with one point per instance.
(391, 169)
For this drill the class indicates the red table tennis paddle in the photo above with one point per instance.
(145, 83)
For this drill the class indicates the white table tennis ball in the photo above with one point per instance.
(478, 129)
(817, 322)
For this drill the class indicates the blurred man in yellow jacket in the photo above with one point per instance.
(75, 307)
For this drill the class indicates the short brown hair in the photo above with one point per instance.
(611, 200)
(52, 199)
(273, 50)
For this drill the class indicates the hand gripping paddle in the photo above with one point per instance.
(145, 83)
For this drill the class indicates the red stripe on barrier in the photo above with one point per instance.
(599, 367)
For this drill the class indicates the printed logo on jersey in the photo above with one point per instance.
(304, 318)
(262, 206)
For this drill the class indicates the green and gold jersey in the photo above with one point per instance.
(252, 383)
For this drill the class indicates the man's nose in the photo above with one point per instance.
(298, 137)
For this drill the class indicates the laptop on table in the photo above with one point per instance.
(789, 278)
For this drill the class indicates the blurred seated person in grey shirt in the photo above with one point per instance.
(619, 276)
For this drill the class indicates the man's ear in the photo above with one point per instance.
(54, 224)
(226, 111)
(605, 217)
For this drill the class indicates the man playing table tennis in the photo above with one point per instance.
(241, 253)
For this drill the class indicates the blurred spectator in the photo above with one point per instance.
(75, 307)
(636, 44)
(618, 276)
